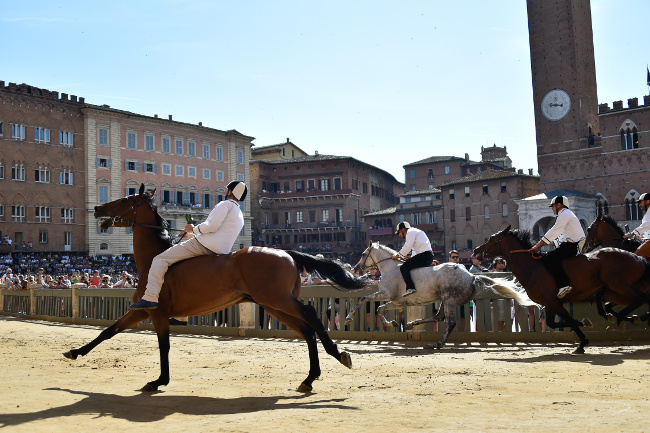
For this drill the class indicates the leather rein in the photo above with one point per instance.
(374, 262)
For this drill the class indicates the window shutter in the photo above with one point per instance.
(155, 168)
(71, 182)
(109, 163)
(97, 162)
(61, 178)
(126, 165)
(110, 230)
(137, 166)
(47, 135)
(71, 139)
(186, 197)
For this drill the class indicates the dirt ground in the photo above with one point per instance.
(223, 384)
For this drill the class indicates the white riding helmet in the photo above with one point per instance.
(560, 199)
(238, 189)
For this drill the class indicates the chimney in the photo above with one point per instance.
(82, 100)
(467, 157)
(315, 153)
(200, 123)
(155, 116)
(170, 117)
(520, 171)
(530, 171)
(288, 140)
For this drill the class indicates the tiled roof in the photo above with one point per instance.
(420, 192)
(387, 211)
(486, 175)
(435, 159)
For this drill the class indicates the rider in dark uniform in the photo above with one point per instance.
(566, 233)
(417, 241)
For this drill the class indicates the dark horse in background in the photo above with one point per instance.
(606, 232)
(623, 275)
(203, 285)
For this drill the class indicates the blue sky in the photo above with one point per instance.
(385, 82)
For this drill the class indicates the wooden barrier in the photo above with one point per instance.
(103, 307)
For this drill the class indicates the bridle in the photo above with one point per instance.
(592, 243)
(146, 198)
(375, 263)
(498, 241)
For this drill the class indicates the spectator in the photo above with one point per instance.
(95, 280)
(125, 281)
(106, 282)
(499, 265)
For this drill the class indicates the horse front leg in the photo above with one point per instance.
(377, 296)
(568, 321)
(161, 324)
(125, 322)
(450, 324)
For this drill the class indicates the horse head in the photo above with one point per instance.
(492, 247)
(593, 238)
(361, 264)
(121, 212)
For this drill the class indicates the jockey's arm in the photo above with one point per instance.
(188, 231)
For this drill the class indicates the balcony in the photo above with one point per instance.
(322, 225)
(304, 195)
(176, 209)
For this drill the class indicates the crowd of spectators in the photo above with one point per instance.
(21, 271)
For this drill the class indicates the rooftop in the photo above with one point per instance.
(487, 175)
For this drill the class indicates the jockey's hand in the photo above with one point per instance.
(628, 235)
(189, 228)
(395, 257)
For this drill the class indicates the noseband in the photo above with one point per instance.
(134, 207)
(363, 267)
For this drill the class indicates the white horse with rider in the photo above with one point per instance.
(450, 283)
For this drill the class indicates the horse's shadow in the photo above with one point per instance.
(615, 357)
(151, 407)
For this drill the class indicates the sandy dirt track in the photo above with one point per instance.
(248, 385)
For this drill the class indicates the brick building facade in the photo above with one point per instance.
(188, 165)
(315, 203)
(42, 170)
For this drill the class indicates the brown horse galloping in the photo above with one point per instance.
(624, 275)
(206, 284)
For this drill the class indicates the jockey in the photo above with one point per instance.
(643, 231)
(216, 235)
(418, 241)
(567, 233)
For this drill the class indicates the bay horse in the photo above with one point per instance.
(606, 232)
(450, 283)
(206, 284)
(624, 275)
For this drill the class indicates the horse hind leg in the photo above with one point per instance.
(377, 296)
(450, 324)
(125, 322)
(309, 335)
(437, 317)
(161, 324)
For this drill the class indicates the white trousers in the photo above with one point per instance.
(181, 251)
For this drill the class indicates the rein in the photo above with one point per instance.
(132, 223)
(374, 262)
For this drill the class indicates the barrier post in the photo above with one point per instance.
(75, 299)
(246, 316)
(32, 300)
(415, 313)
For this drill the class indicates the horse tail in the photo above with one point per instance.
(504, 287)
(327, 268)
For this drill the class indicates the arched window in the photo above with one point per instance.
(629, 135)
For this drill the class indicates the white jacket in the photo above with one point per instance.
(219, 232)
(644, 229)
(567, 228)
(416, 240)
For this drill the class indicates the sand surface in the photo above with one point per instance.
(223, 384)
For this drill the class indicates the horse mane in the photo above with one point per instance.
(609, 220)
(163, 234)
(385, 248)
(524, 237)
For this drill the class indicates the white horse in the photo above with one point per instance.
(450, 283)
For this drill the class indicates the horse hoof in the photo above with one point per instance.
(579, 351)
(69, 355)
(304, 388)
(611, 318)
(348, 320)
(394, 324)
(587, 323)
(346, 359)
(408, 326)
(433, 346)
(149, 388)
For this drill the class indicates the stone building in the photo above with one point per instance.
(589, 148)
(189, 166)
(274, 152)
(315, 203)
(42, 170)
(436, 170)
(478, 205)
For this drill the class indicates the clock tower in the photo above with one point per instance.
(564, 85)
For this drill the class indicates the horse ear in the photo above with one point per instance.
(507, 229)
(141, 188)
(152, 192)
(600, 216)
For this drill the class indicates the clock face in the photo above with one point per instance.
(556, 104)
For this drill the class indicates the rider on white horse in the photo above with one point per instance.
(417, 241)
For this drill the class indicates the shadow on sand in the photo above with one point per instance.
(151, 407)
